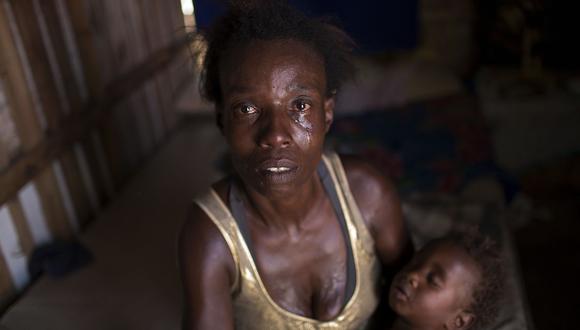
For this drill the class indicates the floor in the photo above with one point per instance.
(133, 281)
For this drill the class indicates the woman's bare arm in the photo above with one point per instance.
(380, 206)
(381, 209)
(207, 274)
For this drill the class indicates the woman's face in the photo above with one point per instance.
(274, 113)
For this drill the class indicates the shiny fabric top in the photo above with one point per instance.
(255, 309)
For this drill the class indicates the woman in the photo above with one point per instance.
(294, 239)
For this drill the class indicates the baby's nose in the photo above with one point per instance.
(413, 280)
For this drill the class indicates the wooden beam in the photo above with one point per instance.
(78, 124)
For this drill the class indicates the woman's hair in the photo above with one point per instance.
(488, 293)
(250, 20)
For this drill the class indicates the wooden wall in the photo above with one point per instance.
(86, 94)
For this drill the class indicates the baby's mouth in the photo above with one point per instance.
(401, 293)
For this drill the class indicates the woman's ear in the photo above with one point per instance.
(462, 321)
(328, 112)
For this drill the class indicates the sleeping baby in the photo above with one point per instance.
(452, 283)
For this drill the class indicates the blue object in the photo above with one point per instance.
(375, 25)
(58, 258)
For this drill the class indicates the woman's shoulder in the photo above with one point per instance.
(200, 242)
(368, 183)
(379, 204)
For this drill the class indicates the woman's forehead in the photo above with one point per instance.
(258, 58)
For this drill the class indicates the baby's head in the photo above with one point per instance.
(452, 283)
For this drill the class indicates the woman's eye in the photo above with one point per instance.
(301, 105)
(247, 109)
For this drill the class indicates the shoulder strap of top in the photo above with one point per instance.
(330, 187)
(338, 174)
(219, 214)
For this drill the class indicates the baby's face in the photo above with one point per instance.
(436, 286)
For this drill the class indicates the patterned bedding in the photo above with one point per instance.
(438, 145)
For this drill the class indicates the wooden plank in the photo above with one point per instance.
(181, 69)
(75, 186)
(54, 67)
(156, 37)
(165, 35)
(141, 107)
(11, 260)
(21, 225)
(76, 126)
(20, 90)
(125, 131)
(113, 150)
(27, 122)
(25, 13)
(54, 22)
(94, 168)
(60, 49)
(87, 177)
(56, 217)
(103, 164)
(87, 38)
(87, 42)
(7, 290)
(10, 144)
(68, 32)
(46, 72)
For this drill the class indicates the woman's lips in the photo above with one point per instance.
(277, 170)
(276, 165)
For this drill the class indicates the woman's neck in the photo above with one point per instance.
(287, 211)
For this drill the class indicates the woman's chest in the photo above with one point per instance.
(305, 274)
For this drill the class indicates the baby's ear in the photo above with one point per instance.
(462, 321)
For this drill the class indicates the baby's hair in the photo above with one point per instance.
(488, 293)
(250, 20)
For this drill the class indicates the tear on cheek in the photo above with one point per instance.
(306, 125)
(301, 120)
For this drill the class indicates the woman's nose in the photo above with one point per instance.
(274, 131)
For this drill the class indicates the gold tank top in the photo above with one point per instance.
(253, 306)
